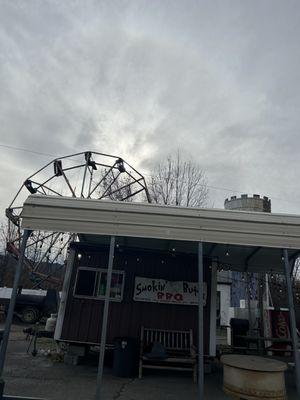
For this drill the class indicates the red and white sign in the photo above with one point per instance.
(280, 325)
(171, 292)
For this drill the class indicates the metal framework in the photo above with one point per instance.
(34, 216)
(90, 175)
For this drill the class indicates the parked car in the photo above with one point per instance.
(31, 306)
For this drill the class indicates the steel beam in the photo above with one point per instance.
(105, 319)
(292, 316)
(200, 324)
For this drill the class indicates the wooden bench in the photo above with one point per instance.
(181, 353)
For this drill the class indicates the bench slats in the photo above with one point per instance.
(177, 360)
(171, 340)
(179, 345)
(166, 367)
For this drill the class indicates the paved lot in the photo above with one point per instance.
(41, 377)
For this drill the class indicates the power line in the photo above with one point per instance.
(27, 150)
(146, 174)
(223, 189)
(33, 152)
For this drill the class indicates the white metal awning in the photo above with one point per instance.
(255, 239)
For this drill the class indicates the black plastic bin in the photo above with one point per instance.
(125, 363)
(239, 327)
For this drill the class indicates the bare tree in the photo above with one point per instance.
(8, 232)
(116, 187)
(180, 182)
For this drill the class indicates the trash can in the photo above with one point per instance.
(239, 327)
(125, 362)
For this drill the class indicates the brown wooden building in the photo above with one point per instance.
(139, 292)
(245, 241)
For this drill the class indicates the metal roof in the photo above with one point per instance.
(254, 238)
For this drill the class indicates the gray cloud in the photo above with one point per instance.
(218, 79)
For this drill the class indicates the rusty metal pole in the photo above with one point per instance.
(292, 319)
(105, 319)
(200, 324)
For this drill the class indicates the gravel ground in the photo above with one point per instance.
(41, 377)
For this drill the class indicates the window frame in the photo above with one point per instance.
(97, 282)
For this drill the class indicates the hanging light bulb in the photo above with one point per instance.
(227, 254)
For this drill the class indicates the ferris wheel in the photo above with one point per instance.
(90, 175)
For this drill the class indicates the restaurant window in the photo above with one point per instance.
(91, 283)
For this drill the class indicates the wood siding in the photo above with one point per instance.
(83, 317)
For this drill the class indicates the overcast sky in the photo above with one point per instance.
(219, 79)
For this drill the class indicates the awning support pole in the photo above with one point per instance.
(12, 302)
(105, 318)
(292, 319)
(200, 323)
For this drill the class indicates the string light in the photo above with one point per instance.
(276, 281)
(227, 252)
